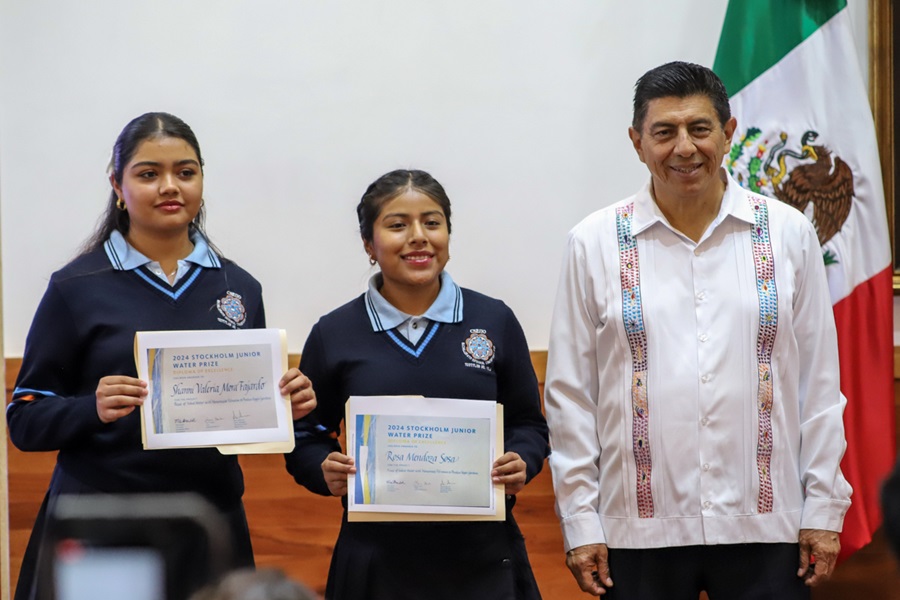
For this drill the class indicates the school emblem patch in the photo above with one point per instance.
(478, 348)
(232, 309)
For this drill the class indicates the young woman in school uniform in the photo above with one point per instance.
(416, 332)
(149, 266)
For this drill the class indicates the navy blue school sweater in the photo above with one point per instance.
(483, 357)
(84, 330)
(344, 357)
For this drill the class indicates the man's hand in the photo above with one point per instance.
(590, 566)
(823, 546)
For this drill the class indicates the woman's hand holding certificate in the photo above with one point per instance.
(297, 386)
(336, 468)
(118, 396)
(509, 470)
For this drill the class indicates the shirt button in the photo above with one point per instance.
(706, 378)
(703, 337)
(706, 466)
(415, 325)
(697, 252)
(701, 296)
(707, 505)
(704, 421)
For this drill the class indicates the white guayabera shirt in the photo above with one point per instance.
(675, 418)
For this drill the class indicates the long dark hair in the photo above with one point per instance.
(147, 126)
(389, 186)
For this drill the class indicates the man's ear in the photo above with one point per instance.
(635, 136)
(729, 129)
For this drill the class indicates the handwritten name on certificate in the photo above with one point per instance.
(421, 455)
(213, 388)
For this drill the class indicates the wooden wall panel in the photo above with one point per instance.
(295, 530)
(5, 589)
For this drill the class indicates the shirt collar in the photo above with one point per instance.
(646, 212)
(124, 257)
(735, 201)
(446, 308)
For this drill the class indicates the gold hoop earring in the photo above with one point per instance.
(120, 204)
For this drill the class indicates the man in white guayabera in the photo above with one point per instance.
(692, 384)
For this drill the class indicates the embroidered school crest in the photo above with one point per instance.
(821, 189)
(478, 348)
(232, 309)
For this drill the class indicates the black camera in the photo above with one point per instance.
(141, 547)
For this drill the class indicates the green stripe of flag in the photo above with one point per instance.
(759, 33)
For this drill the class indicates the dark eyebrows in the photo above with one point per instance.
(667, 125)
(151, 163)
(429, 213)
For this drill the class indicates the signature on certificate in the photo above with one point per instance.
(394, 485)
(447, 486)
(239, 418)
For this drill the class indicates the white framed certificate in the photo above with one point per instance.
(214, 388)
(423, 458)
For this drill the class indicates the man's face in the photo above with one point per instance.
(682, 143)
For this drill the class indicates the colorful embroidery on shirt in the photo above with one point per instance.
(765, 341)
(632, 313)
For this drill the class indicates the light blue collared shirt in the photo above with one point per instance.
(124, 257)
(446, 308)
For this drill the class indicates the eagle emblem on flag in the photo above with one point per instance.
(810, 178)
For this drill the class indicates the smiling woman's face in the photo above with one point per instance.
(162, 186)
(411, 243)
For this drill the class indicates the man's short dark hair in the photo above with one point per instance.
(679, 79)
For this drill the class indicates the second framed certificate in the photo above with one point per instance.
(423, 459)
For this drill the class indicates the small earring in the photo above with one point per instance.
(120, 204)
(372, 260)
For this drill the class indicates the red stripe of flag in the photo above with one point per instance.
(865, 332)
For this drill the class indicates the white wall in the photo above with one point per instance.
(520, 108)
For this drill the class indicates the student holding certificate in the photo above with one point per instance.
(149, 266)
(415, 332)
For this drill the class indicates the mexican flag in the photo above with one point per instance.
(805, 135)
